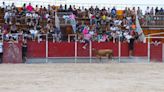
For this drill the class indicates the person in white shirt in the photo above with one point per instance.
(7, 17)
(35, 18)
(3, 6)
(33, 32)
(8, 7)
(28, 18)
(147, 11)
(113, 28)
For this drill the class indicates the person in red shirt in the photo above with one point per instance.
(29, 8)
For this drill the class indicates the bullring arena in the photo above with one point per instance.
(81, 46)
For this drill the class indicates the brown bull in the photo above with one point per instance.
(103, 52)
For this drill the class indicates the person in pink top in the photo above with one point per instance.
(87, 37)
(104, 38)
(29, 8)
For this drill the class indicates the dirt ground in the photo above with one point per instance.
(114, 77)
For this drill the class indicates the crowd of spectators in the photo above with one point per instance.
(34, 20)
(104, 24)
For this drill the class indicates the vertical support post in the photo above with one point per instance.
(39, 38)
(46, 48)
(163, 52)
(53, 37)
(148, 49)
(119, 50)
(2, 38)
(17, 38)
(90, 52)
(75, 48)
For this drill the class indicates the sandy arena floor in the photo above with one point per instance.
(115, 77)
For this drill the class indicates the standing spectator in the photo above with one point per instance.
(152, 11)
(87, 37)
(24, 10)
(37, 8)
(24, 50)
(73, 22)
(65, 7)
(29, 8)
(70, 9)
(161, 11)
(49, 9)
(113, 12)
(156, 11)
(131, 42)
(61, 8)
(3, 6)
(147, 11)
(13, 6)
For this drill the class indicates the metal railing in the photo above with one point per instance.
(153, 21)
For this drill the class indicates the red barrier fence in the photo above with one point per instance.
(65, 49)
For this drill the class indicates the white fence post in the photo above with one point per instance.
(163, 52)
(90, 52)
(119, 50)
(148, 49)
(76, 49)
(46, 48)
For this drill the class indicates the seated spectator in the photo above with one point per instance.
(13, 29)
(7, 17)
(19, 19)
(35, 18)
(29, 18)
(104, 38)
(57, 34)
(33, 32)
(5, 28)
